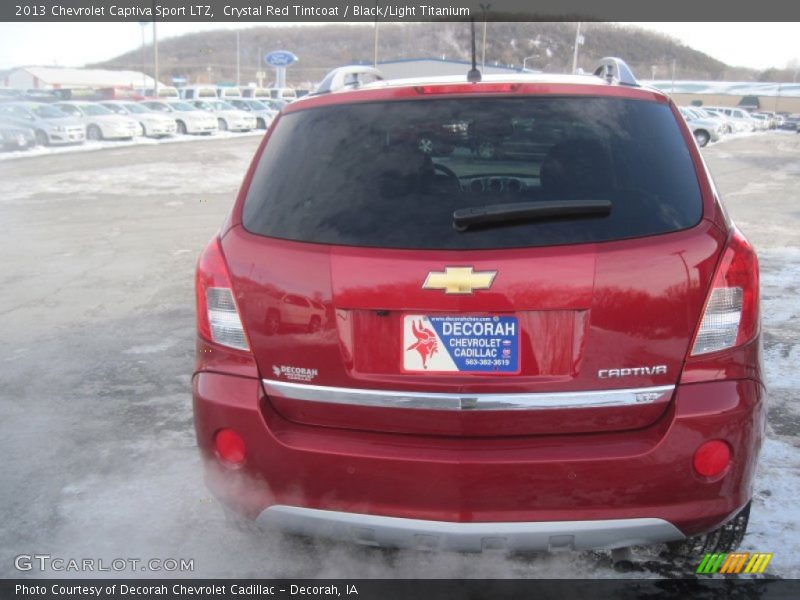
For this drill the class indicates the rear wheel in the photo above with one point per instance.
(181, 127)
(93, 133)
(222, 124)
(487, 150)
(42, 139)
(432, 147)
(724, 539)
(702, 137)
(260, 124)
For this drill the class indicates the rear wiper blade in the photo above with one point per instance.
(463, 218)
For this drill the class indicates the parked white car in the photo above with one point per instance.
(152, 124)
(198, 92)
(256, 93)
(739, 118)
(226, 93)
(164, 91)
(287, 94)
(762, 121)
(263, 113)
(188, 118)
(101, 123)
(50, 125)
(722, 119)
(228, 116)
(704, 130)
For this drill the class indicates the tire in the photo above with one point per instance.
(487, 150)
(41, 138)
(181, 127)
(142, 130)
(94, 133)
(430, 146)
(425, 145)
(260, 124)
(702, 137)
(222, 124)
(724, 539)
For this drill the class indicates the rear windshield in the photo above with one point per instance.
(391, 174)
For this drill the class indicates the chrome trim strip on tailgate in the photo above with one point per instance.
(395, 532)
(464, 401)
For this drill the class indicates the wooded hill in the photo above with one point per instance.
(211, 56)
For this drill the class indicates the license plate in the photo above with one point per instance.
(472, 344)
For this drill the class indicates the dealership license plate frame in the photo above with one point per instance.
(428, 334)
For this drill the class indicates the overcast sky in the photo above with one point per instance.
(755, 45)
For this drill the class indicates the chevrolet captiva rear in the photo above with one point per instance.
(502, 314)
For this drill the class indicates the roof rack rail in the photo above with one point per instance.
(346, 77)
(615, 70)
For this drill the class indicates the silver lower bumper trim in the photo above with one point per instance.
(463, 401)
(397, 532)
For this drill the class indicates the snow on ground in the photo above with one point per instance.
(775, 517)
(91, 146)
(135, 484)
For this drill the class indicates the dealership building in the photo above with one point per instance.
(751, 95)
(55, 78)
(407, 68)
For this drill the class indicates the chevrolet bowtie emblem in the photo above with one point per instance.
(459, 280)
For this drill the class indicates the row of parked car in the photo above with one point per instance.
(711, 123)
(204, 91)
(24, 123)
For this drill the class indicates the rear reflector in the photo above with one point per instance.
(712, 458)
(217, 314)
(730, 317)
(229, 446)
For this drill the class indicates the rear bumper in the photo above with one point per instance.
(393, 532)
(539, 492)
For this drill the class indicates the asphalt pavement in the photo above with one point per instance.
(97, 330)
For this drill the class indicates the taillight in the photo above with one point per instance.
(730, 317)
(218, 317)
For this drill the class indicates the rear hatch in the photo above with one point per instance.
(473, 266)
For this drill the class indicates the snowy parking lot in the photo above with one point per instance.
(97, 322)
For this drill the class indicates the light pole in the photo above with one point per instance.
(578, 43)
(155, 54)
(375, 44)
(485, 8)
(238, 64)
(672, 91)
(525, 60)
(142, 25)
(259, 72)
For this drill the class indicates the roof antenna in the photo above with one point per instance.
(474, 75)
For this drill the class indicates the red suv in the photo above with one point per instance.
(532, 350)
